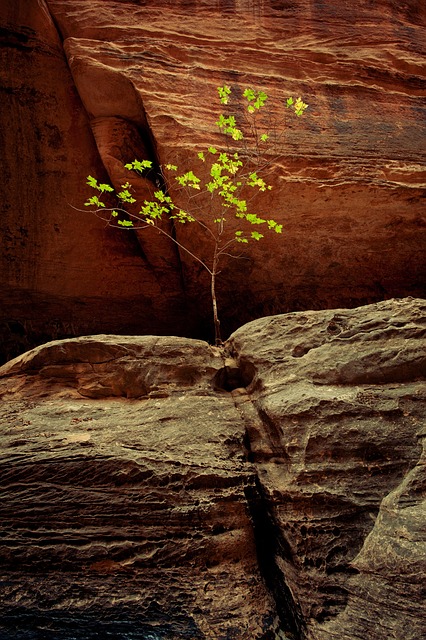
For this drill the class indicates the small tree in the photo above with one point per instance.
(221, 201)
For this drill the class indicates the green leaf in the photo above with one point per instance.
(228, 126)
(125, 223)
(160, 195)
(182, 217)
(92, 182)
(300, 107)
(215, 170)
(274, 226)
(264, 137)
(138, 165)
(102, 187)
(126, 196)
(224, 93)
(189, 179)
(171, 167)
(258, 98)
(254, 219)
(105, 187)
(94, 200)
(256, 236)
(212, 150)
(255, 181)
(249, 94)
(152, 210)
(261, 99)
(201, 156)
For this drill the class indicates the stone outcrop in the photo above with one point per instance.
(162, 488)
(87, 85)
(339, 452)
(125, 475)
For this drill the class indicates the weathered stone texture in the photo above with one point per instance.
(62, 272)
(142, 76)
(340, 397)
(123, 506)
(162, 488)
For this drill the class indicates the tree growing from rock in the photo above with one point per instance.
(220, 194)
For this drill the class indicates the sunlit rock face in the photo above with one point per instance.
(90, 85)
(161, 488)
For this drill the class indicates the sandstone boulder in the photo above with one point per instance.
(161, 488)
(124, 510)
(340, 399)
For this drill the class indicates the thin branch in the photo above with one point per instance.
(97, 212)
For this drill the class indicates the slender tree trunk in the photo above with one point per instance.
(216, 321)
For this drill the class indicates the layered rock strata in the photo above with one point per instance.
(162, 488)
(89, 85)
(124, 508)
(339, 452)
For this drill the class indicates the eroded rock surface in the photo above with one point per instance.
(123, 508)
(340, 397)
(89, 85)
(160, 488)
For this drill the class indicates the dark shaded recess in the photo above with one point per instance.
(269, 544)
(233, 377)
(16, 338)
(118, 622)
(156, 176)
(36, 322)
(16, 39)
(227, 379)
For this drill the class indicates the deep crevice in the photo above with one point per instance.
(269, 539)
(149, 144)
(159, 180)
(270, 543)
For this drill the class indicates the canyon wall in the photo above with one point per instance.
(160, 488)
(87, 86)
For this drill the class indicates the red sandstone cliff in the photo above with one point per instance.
(87, 85)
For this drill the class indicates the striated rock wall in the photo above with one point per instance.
(338, 446)
(123, 468)
(87, 85)
(161, 488)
